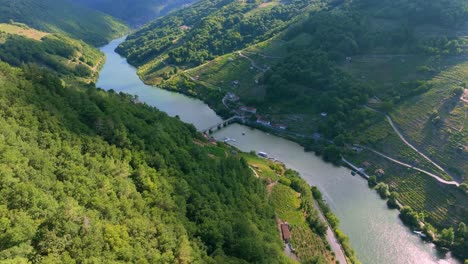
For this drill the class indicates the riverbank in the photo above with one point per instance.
(295, 205)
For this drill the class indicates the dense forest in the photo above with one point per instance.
(63, 17)
(92, 176)
(135, 12)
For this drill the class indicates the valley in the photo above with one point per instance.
(126, 158)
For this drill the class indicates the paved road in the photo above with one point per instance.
(439, 179)
(407, 143)
(331, 238)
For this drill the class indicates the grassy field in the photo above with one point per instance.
(22, 30)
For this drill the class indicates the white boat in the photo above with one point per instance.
(262, 154)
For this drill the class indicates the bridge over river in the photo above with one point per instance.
(221, 124)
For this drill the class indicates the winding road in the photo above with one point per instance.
(439, 179)
(392, 124)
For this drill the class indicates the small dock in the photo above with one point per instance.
(358, 170)
(220, 125)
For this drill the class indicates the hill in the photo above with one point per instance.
(135, 12)
(63, 17)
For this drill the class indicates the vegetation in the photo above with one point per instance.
(135, 12)
(74, 189)
(207, 29)
(23, 45)
(62, 17)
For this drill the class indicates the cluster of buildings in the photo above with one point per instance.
(252, 111)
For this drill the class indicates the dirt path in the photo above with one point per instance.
(255, 172)
(252, 62)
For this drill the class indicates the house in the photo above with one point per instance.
(323, 114)
(285, 232)
(280, 126)
(366, 164)
(236, 82)
(248, 109)
(213, 141)
(379, 172)
(185, 27)
(262, 121)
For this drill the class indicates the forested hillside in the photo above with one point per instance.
(63, 17)
(89, 175)
(135, 12)
(208, 29)
(21, 45)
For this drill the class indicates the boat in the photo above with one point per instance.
(227, 139)
(262, 154)
(243, 133)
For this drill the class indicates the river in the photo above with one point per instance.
(376, 233)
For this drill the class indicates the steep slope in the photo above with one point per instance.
(63, 17)
(135, 12)
(89, 175)
(208, 29)
(21, 45)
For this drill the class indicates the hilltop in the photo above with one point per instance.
(63, 17)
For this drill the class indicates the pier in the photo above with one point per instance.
(358, 170)
(220, 125)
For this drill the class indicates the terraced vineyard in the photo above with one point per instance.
(442, 205)
(435, 121)
(381, 137)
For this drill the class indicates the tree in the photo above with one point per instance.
(393, 200)
(447, 237)
(383, 190)
(372, 181)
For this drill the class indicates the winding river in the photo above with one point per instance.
(376, 233)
